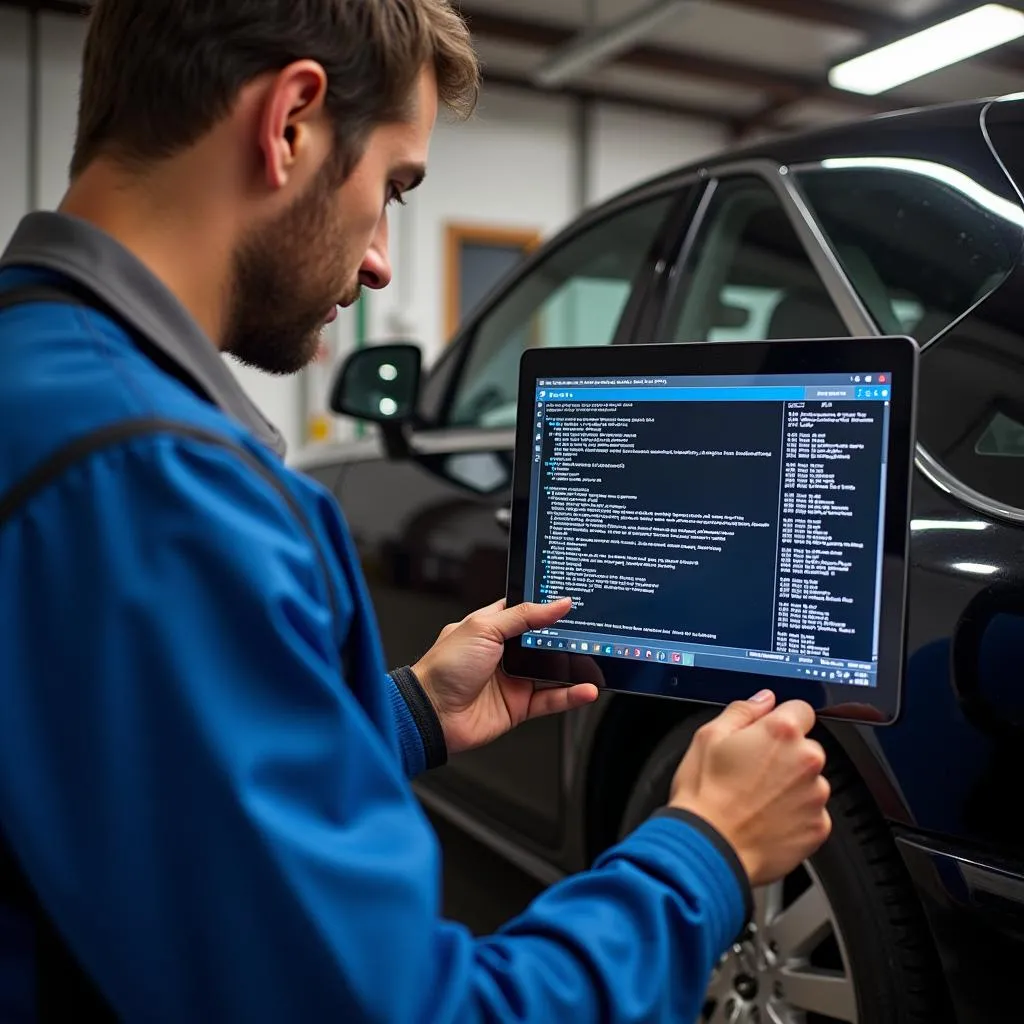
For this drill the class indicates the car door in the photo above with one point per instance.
(431, 529)
(929, 252)
(749, 270)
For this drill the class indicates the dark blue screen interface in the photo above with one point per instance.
(726, 522)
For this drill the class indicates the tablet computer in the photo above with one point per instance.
(725, 516)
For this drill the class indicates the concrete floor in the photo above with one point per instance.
(481, 889)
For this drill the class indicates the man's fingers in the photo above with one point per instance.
(742, 713)
(793, 719)
(555, 700)
(489, 609)
(520, 618)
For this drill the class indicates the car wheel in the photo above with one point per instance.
(842, 938)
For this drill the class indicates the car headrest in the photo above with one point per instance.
(806, 314)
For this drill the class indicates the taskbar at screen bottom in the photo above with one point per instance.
(791, 666)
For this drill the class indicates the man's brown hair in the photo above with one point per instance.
(159, 74)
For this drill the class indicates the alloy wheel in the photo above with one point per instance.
(790, 966)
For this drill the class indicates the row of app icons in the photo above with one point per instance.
(611, 650)
(872, 393)
(834, 676)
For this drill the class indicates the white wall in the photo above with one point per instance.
(60, 53)
(13, 117)
(515, 164)
(627, 146)
(511, 166)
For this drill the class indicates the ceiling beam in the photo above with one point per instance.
(778, 86)
(761, 118)
(548, 35)
(826, 12)
(616, 98)
(780, 89)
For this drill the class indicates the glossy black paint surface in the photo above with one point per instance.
(949, 775)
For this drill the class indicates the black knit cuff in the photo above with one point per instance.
(724, 847)
(435, 749)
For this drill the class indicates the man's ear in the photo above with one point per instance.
(292, 106)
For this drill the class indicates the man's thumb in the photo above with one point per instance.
(742, 713)
(522, 617)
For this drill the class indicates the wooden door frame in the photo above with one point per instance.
(457, 233)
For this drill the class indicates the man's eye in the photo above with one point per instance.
(395, 195)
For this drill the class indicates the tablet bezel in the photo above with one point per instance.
(879, 705)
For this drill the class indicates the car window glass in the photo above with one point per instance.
(1002, 436)
(575, 296)
(748, 276)
(920, 242)
(971, 406)
(924, 244)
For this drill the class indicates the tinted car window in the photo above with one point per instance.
(575, 296)
(971, 415)
(748, 276)
(921, 242)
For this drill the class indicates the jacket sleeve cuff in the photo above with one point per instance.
(420, 733)
(725, 850)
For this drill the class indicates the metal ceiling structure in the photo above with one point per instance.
(754, 65)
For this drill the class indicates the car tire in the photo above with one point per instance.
(865, 954)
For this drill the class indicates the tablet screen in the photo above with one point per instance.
(731, 522)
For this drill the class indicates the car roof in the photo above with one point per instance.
(863, 136)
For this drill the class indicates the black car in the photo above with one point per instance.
(906, 224)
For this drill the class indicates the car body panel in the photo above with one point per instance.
(431, 533)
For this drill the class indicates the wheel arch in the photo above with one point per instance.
(631, 726)
(629, 729)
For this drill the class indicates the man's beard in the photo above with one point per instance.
(283, 285)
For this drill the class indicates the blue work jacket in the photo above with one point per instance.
(204, 764)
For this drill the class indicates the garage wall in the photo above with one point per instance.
(627, 146)
(516, 164)
(511, 166)
(14, 109)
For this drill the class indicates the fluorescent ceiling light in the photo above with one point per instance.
(956, 180)
(924, 52)
(599, 45)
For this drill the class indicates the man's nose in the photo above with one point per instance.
(375, 271)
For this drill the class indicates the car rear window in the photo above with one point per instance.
(971, 409)
(924, 244)
(921, 242)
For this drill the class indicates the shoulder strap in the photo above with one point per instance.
(63, 293)
(63, 990)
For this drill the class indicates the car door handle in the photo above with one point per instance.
(503, 517)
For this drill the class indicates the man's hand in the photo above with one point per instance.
(755, 776)
(474, 699)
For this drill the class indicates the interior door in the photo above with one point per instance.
(432, 529)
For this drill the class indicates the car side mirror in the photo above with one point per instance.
(380, 384)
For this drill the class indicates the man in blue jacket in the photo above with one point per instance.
(204, 796)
